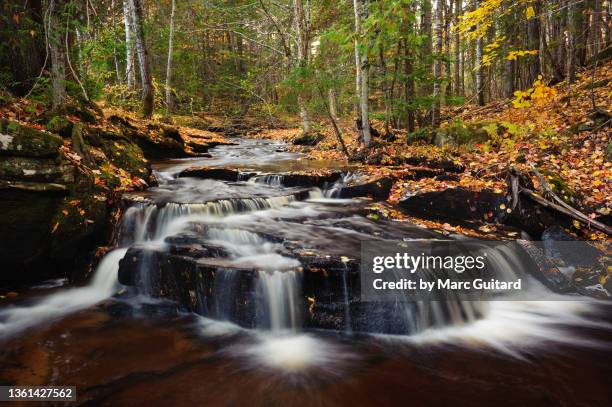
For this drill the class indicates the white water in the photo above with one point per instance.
(54, 306)
(280, 295)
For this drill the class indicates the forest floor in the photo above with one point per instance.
(566, 139)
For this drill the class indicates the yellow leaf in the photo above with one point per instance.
(530, 12)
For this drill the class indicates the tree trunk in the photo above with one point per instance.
(333, 105)
(365, 72)
(58, 57)
(169, 101)
(148, 96)
(409, 88)
(357, 63)
(533, 39)
(437, 94)
(303, 47)
(457, 63)
(479, 82)
(130, 70)
(571, 44)
(448, 15)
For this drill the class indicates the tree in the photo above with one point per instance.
(130, 72)
(435, 114)
(303, 51)
(169, 64)
(479, 81)
(361, 14)
(53, 32)
(148, 95)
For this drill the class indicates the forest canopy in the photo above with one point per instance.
(393, 60)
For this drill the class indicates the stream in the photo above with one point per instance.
(274, 316)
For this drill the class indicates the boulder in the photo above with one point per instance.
(23, 141)
(223, 174)
(308, 139)
(378, 189)
(457, 204)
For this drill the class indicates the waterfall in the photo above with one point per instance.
(336, 188)
(279, 300)
(348, 328)
(225, 282)
(268, 179)
(54, 306)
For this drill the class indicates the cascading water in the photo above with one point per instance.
(280, 301)
(54, 306)
(240, 227)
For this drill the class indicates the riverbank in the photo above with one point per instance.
(566, 139)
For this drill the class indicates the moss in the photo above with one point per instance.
(126, 155)
(59, 125)
(81, 111)
(560, 187)
(308, 139)
(597, 84)
(27, 141)
(458, 133)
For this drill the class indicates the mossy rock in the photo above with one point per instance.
(126, 155)
(81, 111)
(24, 141)
(597, 84)
(459, 133)
(30, 169)
(59, 125)
(308, 139)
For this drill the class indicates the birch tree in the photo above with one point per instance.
(361, 13)
(130, 72)
(169, 64)
(303, 51)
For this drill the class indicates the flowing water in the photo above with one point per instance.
(255, 340)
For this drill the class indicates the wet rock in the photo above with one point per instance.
(378, 189)
(308, 139)
(545, 270)
(223, 174)
(457, 204)
(198, 147)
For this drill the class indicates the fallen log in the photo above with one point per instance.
(557, 204)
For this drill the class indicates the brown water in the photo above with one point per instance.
(117, 359)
